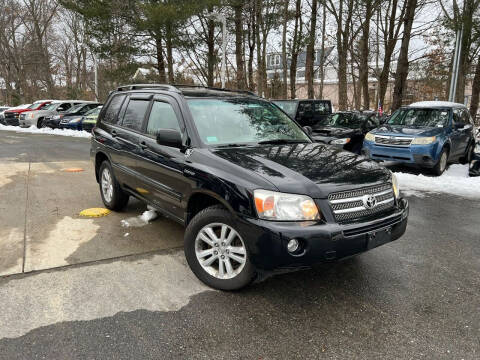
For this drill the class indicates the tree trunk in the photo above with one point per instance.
(322, 52)
(364, 55)
(402, 65)
(309, 72)
(297, 33)
(251, 49)
(169, 46)
(239, 56)
(475, 91)
(258, 15)
(284, 51)
(210, 50)
(162, 78)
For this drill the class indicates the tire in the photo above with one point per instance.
(441, 164)
(40, 124)
(237, 274)
(112, 194)
(467, 158)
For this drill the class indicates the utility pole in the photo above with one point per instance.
(221, 18)
(456, 61)
(96, 76)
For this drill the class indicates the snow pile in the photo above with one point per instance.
(141, 220)
(454, 181)
(34, 130)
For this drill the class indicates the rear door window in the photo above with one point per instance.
(135, 114)
(162, 116)
(111, 112)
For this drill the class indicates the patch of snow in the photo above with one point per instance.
(126, 234)
(34, 130)
(141, 220)
(454, 181)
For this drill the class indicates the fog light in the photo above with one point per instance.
(292, 245)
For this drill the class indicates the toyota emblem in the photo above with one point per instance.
(369, 201)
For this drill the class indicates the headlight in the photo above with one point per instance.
(370, 137)
(424, 140)
(57, 117)
(340, 141)
(396, 189)
(273, 205)
(75, 120)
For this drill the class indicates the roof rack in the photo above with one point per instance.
(147, 86)
(177, 87)
(248, 92)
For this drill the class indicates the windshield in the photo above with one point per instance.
(50, 106)
(242, 121)
(290, 107)
(351, 121)
(420, 117)
(75, 109)
(95, 111)
(34, 105)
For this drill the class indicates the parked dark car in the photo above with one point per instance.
(346, 129)
(73, 118)
(429, 134)
(475, 162)
(75, 113)
(255, 193)
(306, 112)
(90, 119)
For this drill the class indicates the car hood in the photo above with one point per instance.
(313, 169)
(397, 130)
(333, 131)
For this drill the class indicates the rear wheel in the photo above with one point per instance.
(216, 251)
(467, 158)
(441, 165)
(112, 194)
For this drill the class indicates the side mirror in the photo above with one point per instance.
(308, 130)
(169, 137)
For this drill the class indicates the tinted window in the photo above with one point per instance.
(111, 113)
(162, 116)
(467, 118)
(135, 113)
(64, 107)
(322, 108)
(457, 116)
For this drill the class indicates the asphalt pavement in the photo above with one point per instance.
(416, 298)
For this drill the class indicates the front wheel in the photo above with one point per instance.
(216, 251)
(441, 164)
(467, 158)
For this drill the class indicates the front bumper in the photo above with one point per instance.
(423, 155)
(267, 240)
(72, 126)
(26, 123)
(52, 123)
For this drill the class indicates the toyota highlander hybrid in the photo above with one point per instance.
(255, 193)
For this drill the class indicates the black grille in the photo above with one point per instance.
(11, 115)
(349, 205)
(393, 141)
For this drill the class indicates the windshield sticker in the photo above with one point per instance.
(212, 139)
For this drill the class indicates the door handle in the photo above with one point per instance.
(143, 145)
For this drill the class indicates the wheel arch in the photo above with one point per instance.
(200, 200)
(100, 157)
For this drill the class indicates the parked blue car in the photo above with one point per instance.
(429, 134)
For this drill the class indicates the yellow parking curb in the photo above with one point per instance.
(94, 212)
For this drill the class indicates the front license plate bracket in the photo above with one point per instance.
(379, 237)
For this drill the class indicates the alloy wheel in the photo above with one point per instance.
(107, 185)
(220, 251)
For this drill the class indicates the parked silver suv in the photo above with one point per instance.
(38, 117)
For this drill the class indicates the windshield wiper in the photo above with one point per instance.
(231, 145)
(282, 141)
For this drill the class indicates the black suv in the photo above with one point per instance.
(346, 129)
(306, 112)
(253, 190)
